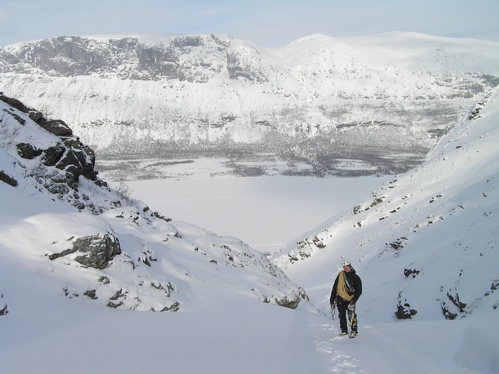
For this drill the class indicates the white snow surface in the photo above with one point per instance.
(446, 208)
(256, 210)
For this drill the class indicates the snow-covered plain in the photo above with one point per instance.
(264, 212)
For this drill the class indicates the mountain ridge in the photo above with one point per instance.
(325, 102)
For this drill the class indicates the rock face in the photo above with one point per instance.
(3, 306)
(56, 127)
(343, 106)
(97, 250)
(60, 164)
(70, 154)
(7, 179)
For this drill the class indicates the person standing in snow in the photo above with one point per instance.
(344, 295)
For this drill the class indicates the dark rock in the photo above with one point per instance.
(157, 215)
(404, 311)
(114, 305)
(70, 157)
(236, 69)
(285, 302)
(7, 179)
(91, 294)
(295, 301)
(70, 293)
(318, 243)
(79, 158)
(53, 154)
(35, 115)
(20, 120)
(455, 300)
(4, 310)
(97, 250)
(57, 188)
(172, 308)
(56, 127)
(104, 280)
(148, 66)
(447, 313)
(61, 254)
(117, 295)
(28, 151)
(14, 103)
(413, 272)
(188, 41)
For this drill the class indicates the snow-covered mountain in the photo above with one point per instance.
(60, 222)
(425, 244)
(343, 105)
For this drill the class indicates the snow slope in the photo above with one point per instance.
(221, 326)
(161, 264)
(425, 244)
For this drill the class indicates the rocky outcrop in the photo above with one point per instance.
(4, 177)
(97, 250)
(56, 127)
(70, 157)
(28, 151)
(294, 301)
(3, 306)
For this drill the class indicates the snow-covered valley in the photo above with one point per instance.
(265, 212)
(194, 270)
(60, 312)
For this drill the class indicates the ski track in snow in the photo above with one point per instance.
(338, 361)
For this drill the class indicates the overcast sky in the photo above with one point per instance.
(265, 23)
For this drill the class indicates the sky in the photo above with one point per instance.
(265, 23)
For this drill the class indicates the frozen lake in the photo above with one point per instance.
(264, 212)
